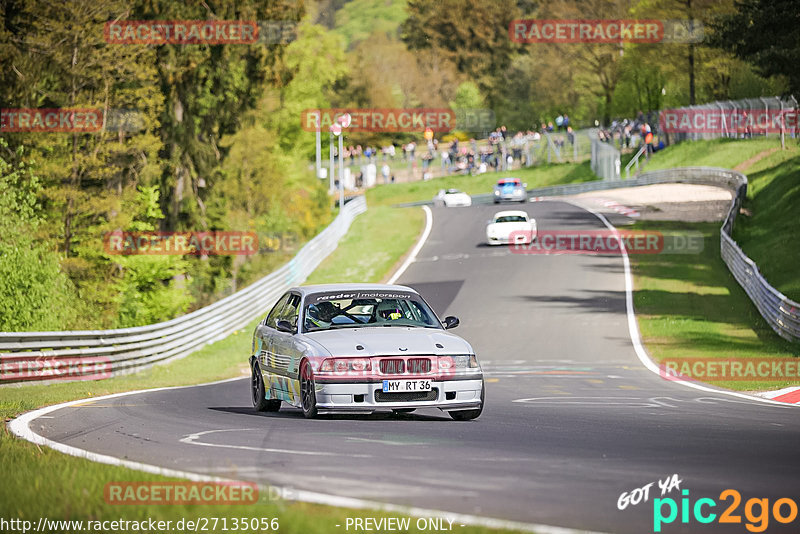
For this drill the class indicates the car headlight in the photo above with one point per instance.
(465, 363)
(496, 192)
(343, 365)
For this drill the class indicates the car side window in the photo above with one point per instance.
(291, 311)
(275, 313)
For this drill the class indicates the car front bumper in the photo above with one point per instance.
(366, 397)
(520, 239)
(511, 198)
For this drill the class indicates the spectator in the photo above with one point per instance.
(385, 172)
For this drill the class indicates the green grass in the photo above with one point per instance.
(540, 176)
(771, 235)
(376, 241)
(40, 482)
(726, 153)
(690, 306)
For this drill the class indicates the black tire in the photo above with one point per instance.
(308, 395)
(467, 415)
(258, 393)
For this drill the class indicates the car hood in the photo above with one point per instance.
(386, 341)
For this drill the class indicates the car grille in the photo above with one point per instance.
(418, 366)
(398, 366)
(393, 367)
(407, 396)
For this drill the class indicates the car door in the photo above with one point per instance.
(265, 338)
(284, 351)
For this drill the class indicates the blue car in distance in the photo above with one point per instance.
(510, 190)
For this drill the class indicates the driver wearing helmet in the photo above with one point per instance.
(388, 310)
(321, 314)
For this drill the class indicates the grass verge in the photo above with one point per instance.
(769, 228)
(690, 306)
(39, 482)
(726, 153)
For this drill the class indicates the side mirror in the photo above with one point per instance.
(285, 326)
(525, 186)
(450, 322)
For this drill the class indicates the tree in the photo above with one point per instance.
(765, 33)
(472, 34)
(34, 293)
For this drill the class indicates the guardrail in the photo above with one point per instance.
(26, 356)
(634, 161)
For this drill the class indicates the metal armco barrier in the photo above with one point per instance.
(781, 313)
(26, 356)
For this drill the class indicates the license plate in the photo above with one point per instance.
(398, 386)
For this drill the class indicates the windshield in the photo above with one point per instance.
(511, 218)
(329, 311)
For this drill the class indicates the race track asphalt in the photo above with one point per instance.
(572, 419)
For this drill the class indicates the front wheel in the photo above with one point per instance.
(307, 392)
(466, 415)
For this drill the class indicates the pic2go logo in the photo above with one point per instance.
(756, 511)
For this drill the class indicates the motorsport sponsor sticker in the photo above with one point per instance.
(360, 294)
(180, 493)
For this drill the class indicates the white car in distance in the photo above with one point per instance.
(510, 227)
(452, 198)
